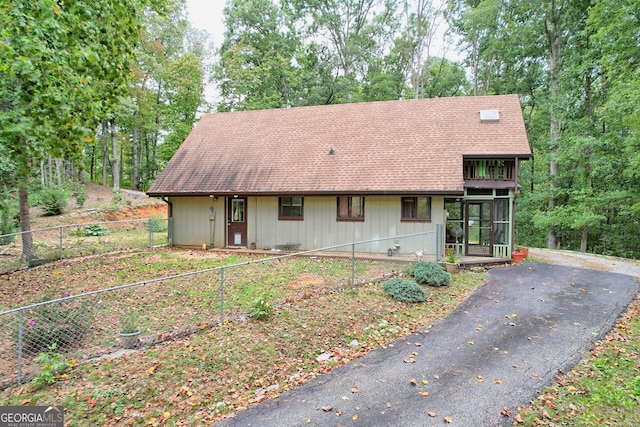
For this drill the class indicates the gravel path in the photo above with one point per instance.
(589, 261)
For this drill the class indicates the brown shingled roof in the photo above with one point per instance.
(388, 147)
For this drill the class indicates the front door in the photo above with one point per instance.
(237, 222)
(479, 230)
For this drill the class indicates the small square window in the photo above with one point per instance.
(350, 208)
(291, 208)
(416, 209)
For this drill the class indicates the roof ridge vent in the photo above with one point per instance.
(489, 115)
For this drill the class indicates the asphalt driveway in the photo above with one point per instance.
(497, 350)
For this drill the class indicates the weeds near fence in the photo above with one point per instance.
(175, 305)
(218, 370)
(62, 324)
(76, 240)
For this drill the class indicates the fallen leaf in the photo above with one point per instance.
(497, 381)
(413, 382)
(355, 417)
(432, 414)
(505, 412)
(354, 389)
(448, 420)
(327, 408)
(424, 393)
(425, 382)
(471, 343)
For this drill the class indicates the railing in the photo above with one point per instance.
(74, 240)
(499, 170)
(87, 325)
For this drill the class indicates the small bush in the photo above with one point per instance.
(53, 200)
(262, 308)
(429, 273)
(158, 224)
(63, 323)
(405, 290)
(95, 230)
(53, 364)
(81, 197)
(7, 222)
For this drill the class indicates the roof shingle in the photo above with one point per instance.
(407, 146)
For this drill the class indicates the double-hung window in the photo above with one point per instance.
(350, 208)
(291, 208)
(416, 208)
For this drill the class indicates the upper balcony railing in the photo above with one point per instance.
(499, 170)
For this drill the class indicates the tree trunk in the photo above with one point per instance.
(134, 144)
(25, 221)
(42, 173)
(105, 154)
(553, 33)
(115, 168)
(58, 172)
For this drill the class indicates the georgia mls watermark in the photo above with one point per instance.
(31, 416)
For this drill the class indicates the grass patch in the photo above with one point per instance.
(603, 389)
(197, 379)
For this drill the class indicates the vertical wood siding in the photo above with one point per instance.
(319, 228)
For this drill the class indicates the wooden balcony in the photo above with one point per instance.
(490, 170)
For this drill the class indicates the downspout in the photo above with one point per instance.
(169, 219)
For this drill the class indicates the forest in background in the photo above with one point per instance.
(106, 92)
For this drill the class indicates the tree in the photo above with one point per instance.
(257, 68)
(345, 37)
(62, 64)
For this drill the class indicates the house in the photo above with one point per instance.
(314, 177)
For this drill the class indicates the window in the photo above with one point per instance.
(350, 208)
(416, 209)
(290, 208)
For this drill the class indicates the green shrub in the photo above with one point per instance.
(95, 230)
(81, 197)
(53, 200)
(7, 222)
(404, 290)
(53, 364)
(159, 224)
(429, 273)
(62, 323)
(262, 308)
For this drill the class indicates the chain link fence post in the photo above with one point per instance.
(150, 233)
(20, 320)
(221, 296)
(61, 228)
(353, 265)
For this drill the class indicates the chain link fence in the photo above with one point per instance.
(137, 315)
(74, 240)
